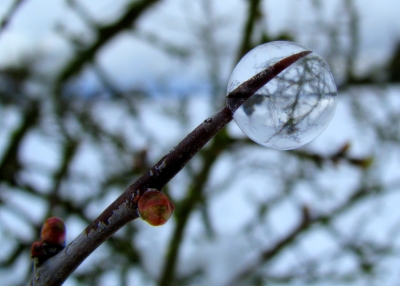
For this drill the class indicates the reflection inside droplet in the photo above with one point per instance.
(294, 107)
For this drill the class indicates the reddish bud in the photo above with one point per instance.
(54, 231)
(155, 207)
(36, 249)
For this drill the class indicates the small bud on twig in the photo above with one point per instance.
(36, 249)
(155, 207)
(52, 240)
(54, 231)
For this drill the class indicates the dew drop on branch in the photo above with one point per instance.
(294, 107)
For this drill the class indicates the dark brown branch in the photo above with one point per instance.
(104, 34)
(11, 12)
(251, 86)
(253, 15)
(186, 207)
(303, 226)
(269, 253)
(10, 165)
(124, 209)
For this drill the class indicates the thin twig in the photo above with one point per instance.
(194, 196)
(239, 95)
(305, 224)
(104, 35)
(11, 12)
(253, 16)
(56, 270)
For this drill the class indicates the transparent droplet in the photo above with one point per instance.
(294, 107)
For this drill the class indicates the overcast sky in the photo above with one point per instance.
(33, 27)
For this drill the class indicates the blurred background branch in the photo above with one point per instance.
(91, 95)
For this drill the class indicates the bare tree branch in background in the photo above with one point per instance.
(300, 216)
(12, 10)
(104, 34)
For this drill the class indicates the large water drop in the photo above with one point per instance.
(294, 107)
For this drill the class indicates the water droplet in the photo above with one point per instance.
(294, 107)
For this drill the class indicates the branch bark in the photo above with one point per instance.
(56, 270)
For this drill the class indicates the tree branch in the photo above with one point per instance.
(254, 14)
(104, 34)
(302, 227)
(56, 270)
(11, 12)
(188, 204)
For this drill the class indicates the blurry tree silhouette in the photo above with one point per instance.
(245, 215)
(394, 64)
